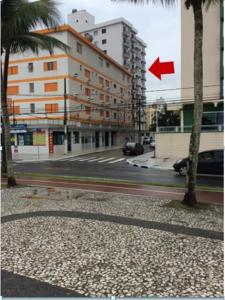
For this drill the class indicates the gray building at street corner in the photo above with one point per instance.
(118, 38)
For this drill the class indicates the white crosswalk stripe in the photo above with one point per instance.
(73, 159)
(96, 159)
(86, 158)
(107, 159)
(117, 160)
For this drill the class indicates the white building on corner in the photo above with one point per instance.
(118, 38)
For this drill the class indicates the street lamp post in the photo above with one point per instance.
(65, 120)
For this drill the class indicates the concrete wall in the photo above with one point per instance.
(211, 51)
(176, 145)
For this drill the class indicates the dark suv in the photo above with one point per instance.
(209, 162)
(133, 149)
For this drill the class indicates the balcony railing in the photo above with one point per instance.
(205, 128)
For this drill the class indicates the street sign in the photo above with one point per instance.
(18, 128)
(39, 138)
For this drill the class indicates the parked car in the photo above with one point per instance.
(209, 162)
(147, 140)
(152, 144)
(133, 149)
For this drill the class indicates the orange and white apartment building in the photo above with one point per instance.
(97, 97)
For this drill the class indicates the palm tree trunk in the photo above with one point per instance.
(190, 195)
(3, 158)
(6, 124)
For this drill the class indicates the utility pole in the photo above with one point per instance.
(139, 120)
(65, 120)
(13, 110)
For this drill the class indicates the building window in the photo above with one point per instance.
(53, 107)
(121, 90)
(16, 109)
(104, 42)
(103, 30)
(51, 87)
(87, 92)
(81, 87)
(101, 113)
(13, 90)
(58, 138)
(107, 64)
(101, 97)
(81, 68)
(212, 118)
(25, 139)
(105, 51)
(107, 83)
(96, 32)
(30, 67)
(101, 80)
(114, 100)
(107, 114)
(50, 66)
(114, 85)
(79, 48)
(87, 110)
(107, 98)
(76, 137)
(31, 87)
(115, 116)
(13, 70)
(100, 61)
(87, 73)
(32, 107)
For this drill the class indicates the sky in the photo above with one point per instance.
(158, 27)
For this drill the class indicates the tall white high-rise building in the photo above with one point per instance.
(118, 38)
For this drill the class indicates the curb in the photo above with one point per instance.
(130, 162)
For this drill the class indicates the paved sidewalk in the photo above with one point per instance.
(161, 192)
(103, 244)
(20, 157)
(148, 160)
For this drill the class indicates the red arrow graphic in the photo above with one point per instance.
(158, 68)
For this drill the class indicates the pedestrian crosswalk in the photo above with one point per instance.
(91, 159)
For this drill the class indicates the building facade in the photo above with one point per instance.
(84, 92)
(118, 38)
(177, 139)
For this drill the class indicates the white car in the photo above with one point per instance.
(152, 144)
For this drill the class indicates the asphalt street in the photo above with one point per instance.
(111, 165)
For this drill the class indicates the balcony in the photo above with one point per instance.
(126, 42)
(126, 32)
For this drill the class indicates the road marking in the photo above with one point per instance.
(96, 159)
(115, 161)
(73, 159)
(87, 158)
(107, 159)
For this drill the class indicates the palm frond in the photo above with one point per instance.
(162, 2)
(209, 3)
(20, 16)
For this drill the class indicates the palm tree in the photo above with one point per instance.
(19, 18)
(196, 5)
